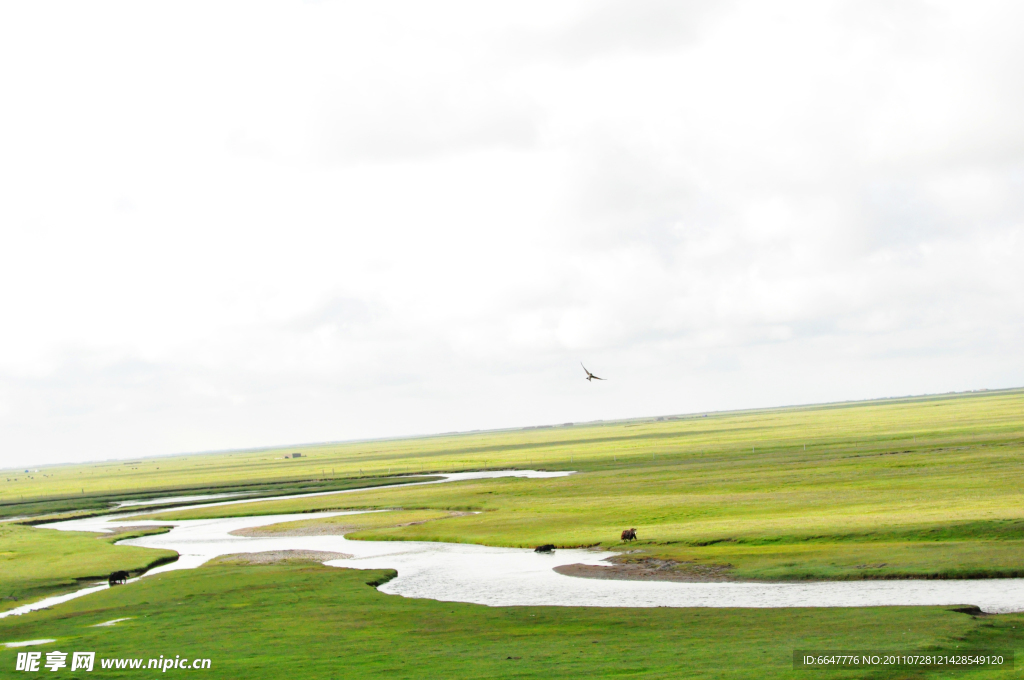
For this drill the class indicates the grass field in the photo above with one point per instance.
(350, 524)
(977, 418)
(38, 562)
(41, 510)
(928, 487)
(309, 621)
(915, 487)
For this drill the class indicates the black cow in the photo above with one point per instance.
(118, 578)
(546, 548)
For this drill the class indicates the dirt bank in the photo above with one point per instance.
(650, 569)
(326, 528)
(275, 556)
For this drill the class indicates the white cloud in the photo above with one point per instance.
(235, 224)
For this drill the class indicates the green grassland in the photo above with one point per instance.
(906, 488)
(38, 562)
(927, 487)
(868, 427)
(308, 621)
(349, 524)
(914, 487)
(41, 510)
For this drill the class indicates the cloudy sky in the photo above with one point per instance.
(235, 224)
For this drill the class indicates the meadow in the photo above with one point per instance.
(925, 487)
(309, 621)
(35, 563)
(913, 424)
(912, 488)
(36, 510)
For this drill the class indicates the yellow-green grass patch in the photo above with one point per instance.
(38, 562)
(309, 621)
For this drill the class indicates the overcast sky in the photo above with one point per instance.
(237, 224)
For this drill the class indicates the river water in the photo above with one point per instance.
(486, 575)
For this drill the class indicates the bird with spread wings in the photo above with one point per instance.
(590, 376)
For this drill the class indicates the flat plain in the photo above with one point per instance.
(910, 488)
(308, 621)
(917, 487)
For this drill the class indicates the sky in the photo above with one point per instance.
(243, 224)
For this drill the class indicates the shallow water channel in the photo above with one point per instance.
(485, 575)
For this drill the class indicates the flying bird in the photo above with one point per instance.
(590, 376)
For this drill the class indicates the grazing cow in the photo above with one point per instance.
(629, 535)
(546, 548)
(118, 578)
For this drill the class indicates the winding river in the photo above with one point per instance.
(512, 576)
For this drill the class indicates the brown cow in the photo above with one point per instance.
(629, 535)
